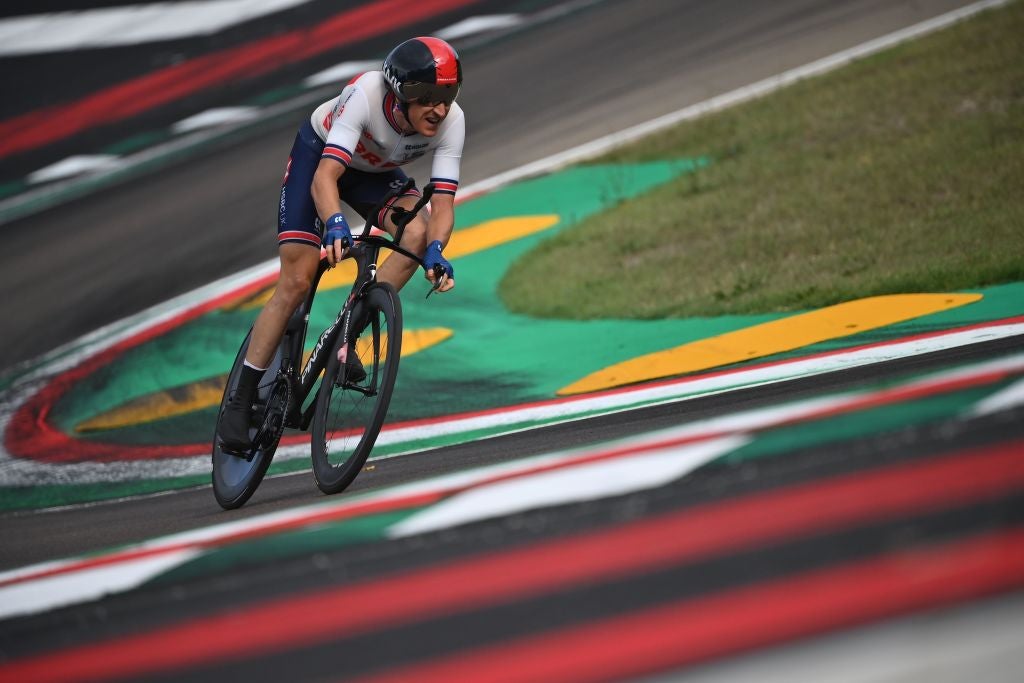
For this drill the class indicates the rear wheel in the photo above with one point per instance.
(348, 414)
(235, 478)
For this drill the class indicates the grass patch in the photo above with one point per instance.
(903, 172)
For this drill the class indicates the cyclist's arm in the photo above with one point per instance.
(325, 187)
(444, 175)
(439, 230)
(350, 117)
(442, 218)
(325, 196)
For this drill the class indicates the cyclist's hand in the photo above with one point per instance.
(337, 239)
(434, 263)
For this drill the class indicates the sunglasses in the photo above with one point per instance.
(429, 94)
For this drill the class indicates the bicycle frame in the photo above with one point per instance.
(294, 341)
(366, 254)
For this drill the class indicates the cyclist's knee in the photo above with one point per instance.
(292, 288)
(298, 270)
(296, 285)
(415, 237)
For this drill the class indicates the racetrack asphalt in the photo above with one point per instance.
(212, 213)
(646, 65)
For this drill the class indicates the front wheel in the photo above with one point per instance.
(349, 414)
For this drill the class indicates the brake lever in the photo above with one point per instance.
(439, 279)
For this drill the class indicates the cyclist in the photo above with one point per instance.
(351, 150)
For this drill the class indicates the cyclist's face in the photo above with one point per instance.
(426, 118)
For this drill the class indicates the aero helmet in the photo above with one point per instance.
(427, 70)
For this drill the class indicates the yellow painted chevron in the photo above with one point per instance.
(208, 392)
(770, 338)
(463, 242)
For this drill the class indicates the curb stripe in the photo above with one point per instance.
(138, 95)
(29, 435)
(692, 631)
(682, 536)
(29, 424)
(651, 387)
(303, 518)
(436, 488)
(36, 201)
(72, 29)
(570, 408)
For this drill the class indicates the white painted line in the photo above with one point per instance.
(88, 584)
(482, 492)
(128, 25)
(48, 585)
(35, 589)
(72, 166)
(1010, 397)
(590, 481)
(452, 482)
(94, 342)
(21, 472)
(689, 388)
(28, 473)
(475, 25)
(340, 73)
(216, 117)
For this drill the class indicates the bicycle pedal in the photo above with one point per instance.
(246, 455)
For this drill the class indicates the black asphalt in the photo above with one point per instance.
(29, 537)
(231, 587)
(530, 94)
(610, 65)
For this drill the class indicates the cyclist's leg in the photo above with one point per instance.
(299, 264)
(363, 191)
(298, 269)
(299, 233)
(299, 250)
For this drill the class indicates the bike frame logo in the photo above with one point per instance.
(311, 363)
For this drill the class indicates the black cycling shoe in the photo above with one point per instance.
(234, 428)
(354, 370)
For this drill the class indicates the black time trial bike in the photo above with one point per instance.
(347, 411)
